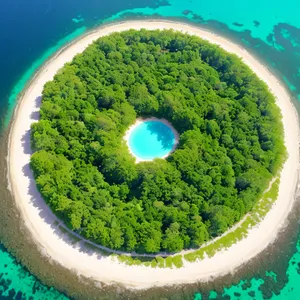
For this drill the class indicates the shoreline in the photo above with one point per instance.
(137, 122)
(40, 220)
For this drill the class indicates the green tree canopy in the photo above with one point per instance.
(231, 141)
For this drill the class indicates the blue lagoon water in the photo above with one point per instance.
(32, 30)
(151, 139)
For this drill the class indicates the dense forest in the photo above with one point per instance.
(231, 141)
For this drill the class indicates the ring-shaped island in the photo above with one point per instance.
(230, 147)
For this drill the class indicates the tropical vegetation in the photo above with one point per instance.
(231, 141)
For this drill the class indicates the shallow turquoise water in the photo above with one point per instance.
(268, 28)
(151, 139)
(17, 283)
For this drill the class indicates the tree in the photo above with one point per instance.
(172, 240)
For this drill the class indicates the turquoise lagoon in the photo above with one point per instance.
(152, 138)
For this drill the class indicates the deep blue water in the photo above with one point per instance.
(151, 139)
(31, 31)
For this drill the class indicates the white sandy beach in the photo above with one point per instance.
(137, 123)
(39, 218)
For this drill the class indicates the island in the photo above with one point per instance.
(225, 137)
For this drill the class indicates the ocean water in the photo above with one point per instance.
(151, 139)
(32, 31)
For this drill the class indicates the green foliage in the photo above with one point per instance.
(231, 142)
(259, 211)
(169, 262)
(228, 239)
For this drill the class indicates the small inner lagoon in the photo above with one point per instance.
(151, 138)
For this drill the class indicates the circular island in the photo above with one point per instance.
(229, 154)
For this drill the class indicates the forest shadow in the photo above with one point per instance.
(35, 115)
(163, 134)
(26, 142)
